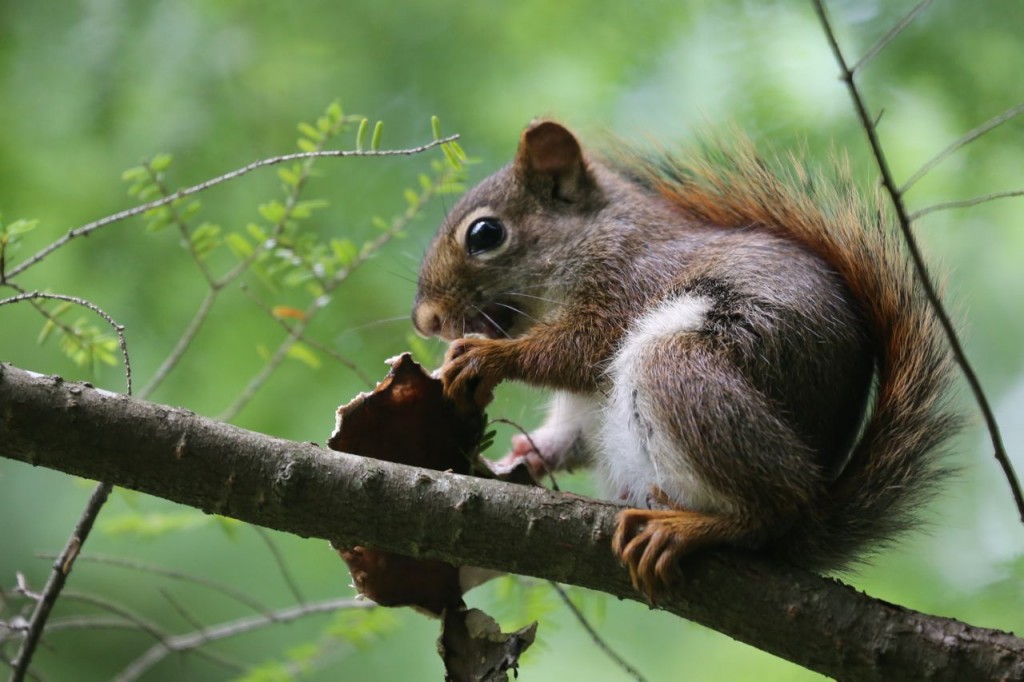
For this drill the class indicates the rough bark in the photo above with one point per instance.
(300, 488)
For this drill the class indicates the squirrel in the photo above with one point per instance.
(743, 354)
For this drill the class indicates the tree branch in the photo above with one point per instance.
(299, 488)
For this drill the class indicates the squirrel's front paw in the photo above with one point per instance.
(469, 373)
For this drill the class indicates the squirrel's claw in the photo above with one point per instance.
(464, 374)
(649, 543)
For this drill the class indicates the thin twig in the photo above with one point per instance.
(118, 328)
(176, 218)
(330, 352)
(185, 614)
(192, 641)
(282, 565)
(226, 590)
(202, 186)
(35, 676)
(962, 141)
(91, 623)
(533, 446)
(41, 309)
(147, 626)
(62, 566)
(966, 203)
(184, 341)
(891, 35)
(217, 285)
(59, 575)
(597, 639)
(896, 196)
(397, 226)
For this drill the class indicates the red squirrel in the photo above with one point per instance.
(714, 332)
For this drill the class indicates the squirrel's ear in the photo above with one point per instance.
(550, 154)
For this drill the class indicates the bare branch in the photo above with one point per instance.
(890, 36)
(299, 328)
(595, 636)
(207, 184)
(282, 565)
(58, 577)
(184, 341)
(194, 640)
(330, 352)
(145, 625)
(62, 566)
(299, 488)
(903, 218)
(963, 141)
(118, 328)
(966, 203)
(216, 586)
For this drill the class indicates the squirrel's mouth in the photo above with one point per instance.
(495, 320)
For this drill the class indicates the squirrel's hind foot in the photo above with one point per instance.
(650, 542)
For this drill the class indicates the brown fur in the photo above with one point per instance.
(809, 295)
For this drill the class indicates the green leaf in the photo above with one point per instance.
(256, 232)
(457, 148)
(137, 188)
(152, 525)
(306, 145)
(289, 176)
(304, 209)
(45, 332)
(205, 239)
(378, 130)
(435, 126)
(334, 111)
(361, 133)
(311, 132)
(273, 211)
(238, 244)
(160, 162)
(362, 627)
(135, 174)
(190, 209)
(11, 234)
(271, 671)
(228, 526)
(302, 353)
(451, 156)
(345, 251)
(411, 198)
(148, 193)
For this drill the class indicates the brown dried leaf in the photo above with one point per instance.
(407, 419)
(473, 646)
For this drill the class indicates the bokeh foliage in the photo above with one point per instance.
(100, 86)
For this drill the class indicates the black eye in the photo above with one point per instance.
(483, 235)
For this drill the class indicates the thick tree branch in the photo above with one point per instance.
(303, 489)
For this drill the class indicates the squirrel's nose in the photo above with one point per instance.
(426, 318)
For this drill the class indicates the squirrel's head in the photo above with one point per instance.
(493, 266)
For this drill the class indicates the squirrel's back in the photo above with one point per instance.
(892, 468)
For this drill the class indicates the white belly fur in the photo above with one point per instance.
(632, 453)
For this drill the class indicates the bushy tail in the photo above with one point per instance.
(892, 468)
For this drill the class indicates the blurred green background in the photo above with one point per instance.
(91, 88)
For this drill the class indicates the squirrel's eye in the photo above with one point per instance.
(483, 235)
